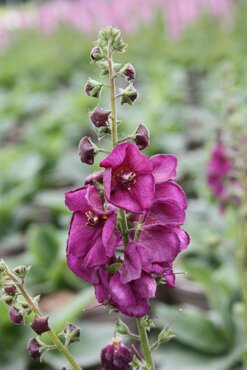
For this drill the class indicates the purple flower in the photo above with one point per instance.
(92, 237)
(129, 72)
(218, 170)
(116, 356)
(128, 179)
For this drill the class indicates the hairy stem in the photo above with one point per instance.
(54, 338)
(145, 344)
(113, 102)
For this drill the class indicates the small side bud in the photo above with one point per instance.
(166, 335)
(93, 88)
(129, 72)
(3, 267)
(142, 137)
(87, 150)
(40, 324)
(8, 300)
(34, 349)
(121, 327)
(99, 117)
(116, 356)
(15, 315)
(21, 271)
(73, 332)
(10, 289)
(96, 54)
(128, 95)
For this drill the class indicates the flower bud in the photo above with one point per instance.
(40, 324)
(99, 117)
(73, 331)
(128, 95)
(34, 349)
(129, 72)
(15, 315)
(166, 335)
(116, 356)
(21, 271)
(10, 289)
(93, 88)
(8, 300)
(141, 137)
(87, 150)
(121, 327)
(96, 54)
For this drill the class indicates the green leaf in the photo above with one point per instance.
(194, 328)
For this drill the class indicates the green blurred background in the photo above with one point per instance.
(181, 63)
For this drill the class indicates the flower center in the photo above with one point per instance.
(127, 178)
(93, 219)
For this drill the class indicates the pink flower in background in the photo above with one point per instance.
(87, 15)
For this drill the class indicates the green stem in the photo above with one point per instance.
(145, 344)
(37, 312)
(113, 102)
(124, 226)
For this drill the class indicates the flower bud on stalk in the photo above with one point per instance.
(116, 356)
(128, 95)
(10, 289)
(15, 315)
(93, 88)
(35, 349)
(40, 324)
(73, 332)
(129, 72)
(99, 117)
(96, 54)
(141, 137)
(22, 271)
(87, 150)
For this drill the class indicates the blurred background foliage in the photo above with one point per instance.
(43, 115)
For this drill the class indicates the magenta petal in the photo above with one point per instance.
(124, 297)
(80, 235)
(164, 167)
(94, 200)
(75, 200)
(102, 287)
(138, 161)
(165, 212)
(159, 244)
(116, 157)
(131, 269)
(143, 192)
(123, 198)
(183, 237)
(90, 275)
(95, 255)
(171, 190)
(109, 236)
(145, 287)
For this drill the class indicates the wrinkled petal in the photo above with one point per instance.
(75, 264)
(138, 161)
(183, 237)
(75, 200)
(132, 267)
(159, 244)
(109, 237)
(165, 212)
(143, 193)
(164, 167)
(145, 287)
(102, 286)
(116, 157)
(94, 200)
(124, 298)
(171, 190)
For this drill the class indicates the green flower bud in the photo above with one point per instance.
(93, 88)
(128, 95)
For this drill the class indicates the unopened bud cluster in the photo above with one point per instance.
(21, 311)
(110, 41)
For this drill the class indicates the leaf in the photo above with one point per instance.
(194, 328)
